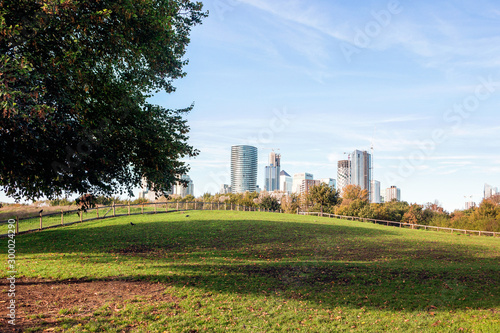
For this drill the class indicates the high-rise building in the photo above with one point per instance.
(297, 181)
(243, 168)
(225, 189)
(329, 181)
(490, 191)
(182, 190)
(392, 193)
(361, 171)
(470, 204)
(286, 182)
(376, 192)
(272, 173)
(343, 174)
(306, 185)
(147, 193)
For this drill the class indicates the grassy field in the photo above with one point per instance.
(219, 271)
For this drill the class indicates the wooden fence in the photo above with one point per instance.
(405, 225)
(57, 219)
(69, 217)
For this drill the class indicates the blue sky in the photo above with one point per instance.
(419, 80)
(320, 78)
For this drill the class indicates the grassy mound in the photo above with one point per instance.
(259, 272)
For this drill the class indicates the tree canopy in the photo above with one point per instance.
(353, 192)
(74, 82)
(323, 195)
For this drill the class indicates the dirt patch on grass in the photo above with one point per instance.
(41, 303)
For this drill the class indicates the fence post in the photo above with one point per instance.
(97, 211)
(40, 221)
(128, 206)
(155, 207)
(142, 208)
(177, 205)
(17, 225)
(62, 217)
(114, 209)
(297, 211)
(81, 216)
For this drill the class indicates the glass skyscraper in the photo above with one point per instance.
(343, 175)
(243, 169)
(361, 171)
(272, 173)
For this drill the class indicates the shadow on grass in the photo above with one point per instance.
(191, 235)
(328, 264)
(353, 285)
(332, 285)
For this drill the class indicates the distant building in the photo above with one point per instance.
(376, 192)
(297, 181)
(470, 204)
(490, 191)
(361, 171)
(329, 181)
(392, 193)
(343, 174)
(243, 169)
(182, 190)
(306, 185)
(225, 189)
(286, 182)
(147, 193)
(272, 173)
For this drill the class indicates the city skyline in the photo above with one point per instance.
(275, 75)
(418, 81)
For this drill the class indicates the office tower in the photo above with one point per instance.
(392, 193)
(181, 190)
(361, 171)
(286, 182)
(297, 181)
(225, 189)
(243, 169)
(306, 185)
(147, 193)
(272, 173)
(376, 192)
(489, 191)
(470, 204)
(329, 181)
(343, 175)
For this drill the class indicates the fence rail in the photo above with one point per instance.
(402, 224)
(64, 218)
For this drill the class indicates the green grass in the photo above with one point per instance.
(265, 272)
